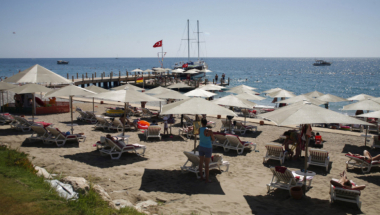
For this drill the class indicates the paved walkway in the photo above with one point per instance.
(249, 120)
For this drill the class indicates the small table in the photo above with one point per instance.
(302, 174)
(125, 137)
(368, 136)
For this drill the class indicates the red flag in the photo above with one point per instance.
(185, 65)
(158, 44)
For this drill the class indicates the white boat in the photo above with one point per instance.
(321, 63)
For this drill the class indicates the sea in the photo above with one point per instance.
(345, 77)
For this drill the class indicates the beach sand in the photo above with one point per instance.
(241, 190)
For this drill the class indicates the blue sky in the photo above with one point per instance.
(59, 29)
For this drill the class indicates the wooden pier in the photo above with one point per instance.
(117, 79)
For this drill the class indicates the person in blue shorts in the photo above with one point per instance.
(205, 149)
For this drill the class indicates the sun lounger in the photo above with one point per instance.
(220, 139)
(285, 179)
(188, 130)
(234, 143)
(60, 138)
(39, 133)
(116, 125)
(91, 117)
(357, 127)
(6, 118)
(274, 152)
(226, 125)
(189, 122)
(83, 116)
(318, 157)
(102, 123)
(117, 148)
(22, 124)
(248, 114)
(148, 113)
(192, 163)
(343, 194)
(376, 141)
(153, 131)
(240, 127)
(361, 163)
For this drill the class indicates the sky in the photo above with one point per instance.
(273, 28)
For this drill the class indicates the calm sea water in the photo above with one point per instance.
(346, 77)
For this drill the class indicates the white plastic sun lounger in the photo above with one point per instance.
(220, 139)
(318, 157)
(240, 127)
(60, 138)
(192, 163)
(361, 163)
(119, 147)
(39, 133)
(234, 143)
(153, 131)
(274, 152)
(286, 179)
(341, 194)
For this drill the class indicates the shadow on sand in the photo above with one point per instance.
(174, 181)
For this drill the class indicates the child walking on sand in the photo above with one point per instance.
(166, 130)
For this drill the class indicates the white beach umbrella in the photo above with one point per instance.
(137, 70)
(126, 96)
(70, 91)
(179, 85)
(4, 87)
(375, 114)
(331, 98)
(243, 87)
(314, 94)
(31, 88)
(376, 100)
(281, 93)
(360, 97)
(363, 105)
(200, 93)
(127, 86)
(148, 70)
(241, 90)
(302, 98)
(211, 87)
(95, 89)
(158, 90)
(37, 74)
(171, 95)
(234, 101)
(307, 113)
(192, 71)
(272, 90)
(249, 96)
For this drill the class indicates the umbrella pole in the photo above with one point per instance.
(366, 132)
(306, 158)
(71, 110)
(93, 104)
(2, 101)
(125, 117)
(34, 107)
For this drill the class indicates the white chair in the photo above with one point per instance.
(240, 127)
(91, 117)
(356, 127)
(248, 114)
(220, 139)
(274, 152)
(376, 142)
(361, 163)
(117, 148)
(192, 163)
(116, 125)
(318, 157)
(189, 122)
(148, 113)
(341, 194)
(6, 118)
(153, 131)
(226, 124)
(39, 133)
(60, 138)
(188, 130)
(102, 123)
(233, 142)
(83, 116)
(22, 124)
(285, 179)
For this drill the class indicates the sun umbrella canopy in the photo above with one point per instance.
(30, 88)
(376, 100)
(331, 98)
(171, 95)
(302, 98)
(128, 95)
(307, 113)
(37, 74)
(314, 94)
(363, 105)
(158, 90)
(195, 106)
(200, 93)
(127, 86)
(70, 90)
(6, 86)
(179, 85)
(281, 93)
(148, 70)
(192, 71)
(137, 70)
(232, 100)
(211, 87)
(360, 97)
(243, 87)
(375, 114)
(249, 96)
(241, 90)
(96, 89)
(272, 90)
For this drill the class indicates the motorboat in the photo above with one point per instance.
(321, 63)
(62, 62)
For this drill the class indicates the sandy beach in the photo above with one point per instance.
(241, 190)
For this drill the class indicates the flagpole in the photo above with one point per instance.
(162, 54)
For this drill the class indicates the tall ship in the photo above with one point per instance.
(187, 65)
(321, 63)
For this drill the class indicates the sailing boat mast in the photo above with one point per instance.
(188, 42)
(198, 37)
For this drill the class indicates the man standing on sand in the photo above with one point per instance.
(223, 77)
(216, 78)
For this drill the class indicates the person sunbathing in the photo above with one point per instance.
(127, 122)
(345, 183)
(366, 156)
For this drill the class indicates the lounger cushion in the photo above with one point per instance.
(368, 161)
(219, 133)
(280, 169)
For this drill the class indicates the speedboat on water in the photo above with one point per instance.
(62, 62)
(321, 63)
